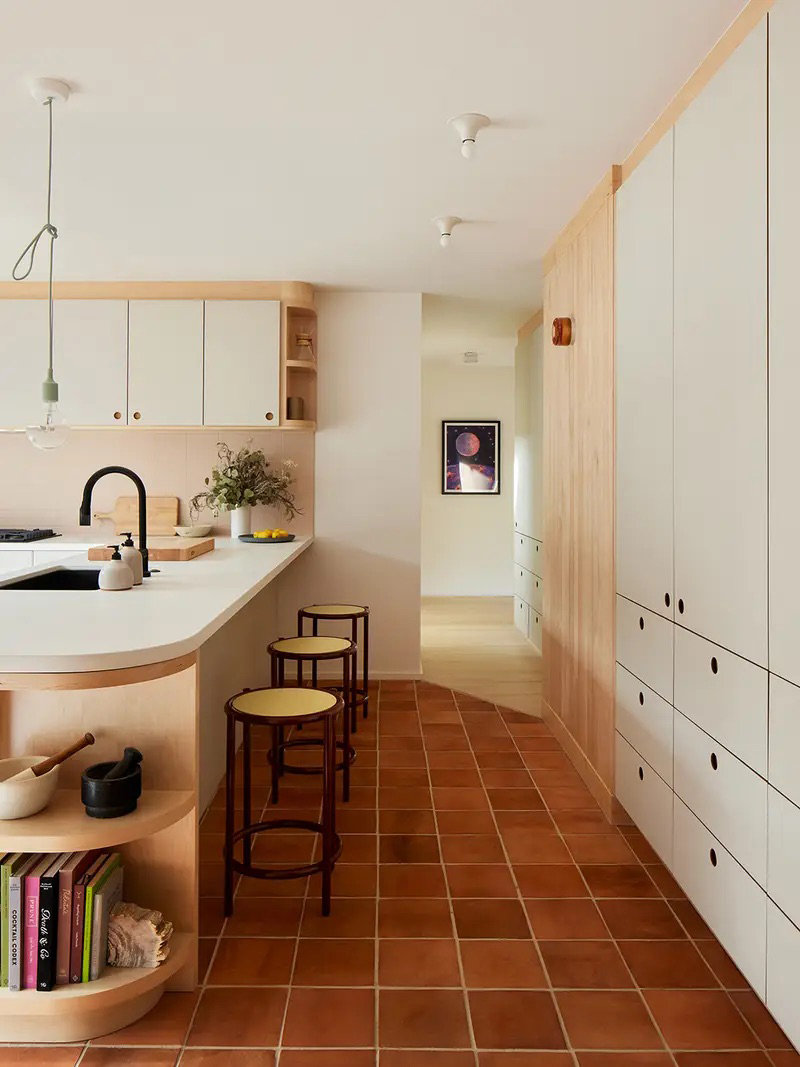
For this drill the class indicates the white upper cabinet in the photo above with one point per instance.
(242, 362)
(644, 382)
(784, 364)
(91, 360)
(721, 355)
(23, 361)
(165, 370)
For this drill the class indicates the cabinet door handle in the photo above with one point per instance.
(117, 414)
(641, 774)
(641, 622)
(714, 665)
(712, 855)
(666, 599)
(680, 606)
(714, 761)
(137, 415)
(641, 699)
(269, 416)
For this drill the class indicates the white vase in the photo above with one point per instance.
(240, 520)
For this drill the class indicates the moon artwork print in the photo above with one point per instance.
(470, 457)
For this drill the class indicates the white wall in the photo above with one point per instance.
(467, 542)
(367, 510)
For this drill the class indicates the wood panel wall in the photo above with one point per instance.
(579, 580)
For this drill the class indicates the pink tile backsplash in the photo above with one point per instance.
(44, 488)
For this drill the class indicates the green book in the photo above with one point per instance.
(99, 880)
(4, 918)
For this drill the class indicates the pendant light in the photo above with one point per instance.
(52, 431)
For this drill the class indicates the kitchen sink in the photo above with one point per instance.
(58, 578)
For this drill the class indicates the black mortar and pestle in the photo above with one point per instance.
(111, 789)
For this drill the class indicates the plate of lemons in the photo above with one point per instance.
(267, 537)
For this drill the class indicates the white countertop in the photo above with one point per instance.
(67, 543)
(172, 613)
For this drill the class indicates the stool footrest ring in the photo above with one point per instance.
(310, 742)
(279, 873)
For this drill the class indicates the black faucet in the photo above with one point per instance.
(86, 506)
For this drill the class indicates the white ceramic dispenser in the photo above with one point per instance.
(116, 574)
(133, 557)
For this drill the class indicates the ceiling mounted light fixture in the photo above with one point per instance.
(52, 431)
(445, 225)
(467, 127)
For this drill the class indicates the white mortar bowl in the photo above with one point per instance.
(20, 799)
(192, 531)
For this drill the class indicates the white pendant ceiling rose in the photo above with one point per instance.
(52, 431)
(467, 127)
(445, 224)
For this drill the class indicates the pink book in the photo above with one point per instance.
(30, 948)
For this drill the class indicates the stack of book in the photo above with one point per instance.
(54, 916)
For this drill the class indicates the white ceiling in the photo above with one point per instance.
(453, 325)
(264, 139)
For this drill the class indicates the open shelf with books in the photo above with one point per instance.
(155, 708)
(69, 1012)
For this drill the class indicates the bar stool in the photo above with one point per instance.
(278, 708)
(302, 650)
(339, 613)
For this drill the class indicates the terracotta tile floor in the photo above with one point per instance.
(485, 915)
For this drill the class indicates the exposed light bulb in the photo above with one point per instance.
(444, 240)
(468, 147)
(52, 432)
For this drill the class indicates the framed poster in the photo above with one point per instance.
(470, 456)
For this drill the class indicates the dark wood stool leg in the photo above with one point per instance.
(281, 736)
(365, 665)
(300, 627)
(328, 802)
(354, 679)
(230, 803)
(315, 633)
(246, 788)
(346, 728)
(276, 766)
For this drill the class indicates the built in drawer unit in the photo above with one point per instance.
(646, 797)
(644, 646)
(528, 587)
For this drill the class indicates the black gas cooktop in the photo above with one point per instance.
(26, 535)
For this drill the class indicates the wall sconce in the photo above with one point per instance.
(562, 332)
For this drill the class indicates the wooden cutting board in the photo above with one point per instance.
(165, 549)
(162, 514)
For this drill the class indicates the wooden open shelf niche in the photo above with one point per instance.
(299, 377)
(156, 709)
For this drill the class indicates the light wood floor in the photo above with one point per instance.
(471, 644)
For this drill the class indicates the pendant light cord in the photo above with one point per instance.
(19, 274)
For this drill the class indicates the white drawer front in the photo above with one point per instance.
(521, 615)
(783, 871)
(644, 646)
(536, 592)
(645, 720)
(646, 798)
(725, 695)
(724, 794)
(535, 628)
(538, 558)
(784, 737)
(519, 582)
(732, 904)
(523, 551)
(783, 972)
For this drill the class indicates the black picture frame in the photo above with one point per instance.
(476, 461)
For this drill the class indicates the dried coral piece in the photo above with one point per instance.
(137, 937)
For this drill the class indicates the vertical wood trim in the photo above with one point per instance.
(531, 326)
(587, 211)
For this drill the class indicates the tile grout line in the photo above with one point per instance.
(520, 899)
(454, 927)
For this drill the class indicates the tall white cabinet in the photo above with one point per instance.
(528, 519)
(708, 436)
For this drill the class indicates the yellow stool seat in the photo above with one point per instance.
(324, 610)
(311, 646)
(286, 703)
